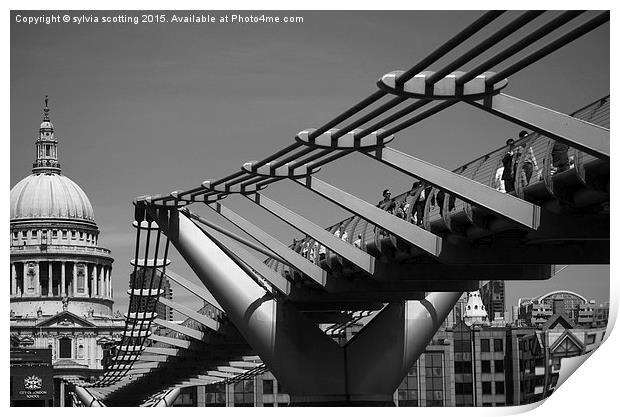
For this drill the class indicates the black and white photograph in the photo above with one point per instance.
(309, 208)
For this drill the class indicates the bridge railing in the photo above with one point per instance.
(444, 213)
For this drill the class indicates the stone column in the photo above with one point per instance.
(100, 281)
(50, 289)
(24, 266)
(62, 392)
(110, 281)
(63, 292)
(200, 396)
(74, 280)
(13, 279)
(86, 279)
(93, 280)
(37, 279)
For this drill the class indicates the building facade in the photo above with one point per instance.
(493, 295)
(464, 366)
(60, 278)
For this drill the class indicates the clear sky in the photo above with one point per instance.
(150, 108)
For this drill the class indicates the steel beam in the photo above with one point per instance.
(146, 365)
(231, 370)
(349, 252)
(220, 374)
(505, 205)
(413, 234)
(87, 397)
(194, 315)
(300, 263)
(183, 344)
(200, 292)
(243, 364)
(232, 235)
(400, 332)
(274, 278)
(168, 398)
(585, 136)
(154, 358)
(269, 326)
(194, 334)
(162, 351)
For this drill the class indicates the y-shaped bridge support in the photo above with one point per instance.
(314, 368)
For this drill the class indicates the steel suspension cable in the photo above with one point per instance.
(520, 45)
(497, 37)
(455, 41)
(553, 46)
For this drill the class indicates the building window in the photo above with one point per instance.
(499, 387)
(215, 395)
(187, 398)
(24, 234)
(499, 366)
(15, 235)
(408, 389)
(54, 234)
(498, 345)
(244, 393)
(73, 234)
(80, 351)
(485, 345)
(434, 379)
(64, 234)
(34, 233)
(267, 386)
(486, 388)
(486, 366)
(81, 235)
(590, 339)
(65, 348)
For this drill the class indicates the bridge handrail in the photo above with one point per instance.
(483, 170)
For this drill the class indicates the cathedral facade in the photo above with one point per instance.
(61, 288)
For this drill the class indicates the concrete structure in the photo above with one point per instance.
(60, 279)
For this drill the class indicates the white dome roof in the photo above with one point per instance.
(50, 196)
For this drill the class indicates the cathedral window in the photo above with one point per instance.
(65, 348)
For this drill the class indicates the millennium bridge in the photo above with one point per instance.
(402, 273)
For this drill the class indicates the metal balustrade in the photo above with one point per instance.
(484, 170)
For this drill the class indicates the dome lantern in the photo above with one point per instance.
(46, 146)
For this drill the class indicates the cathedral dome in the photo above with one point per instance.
(49, 196)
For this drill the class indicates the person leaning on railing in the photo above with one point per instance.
(529, 162)
(507, 162)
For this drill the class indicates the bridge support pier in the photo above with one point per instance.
(314, 369)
